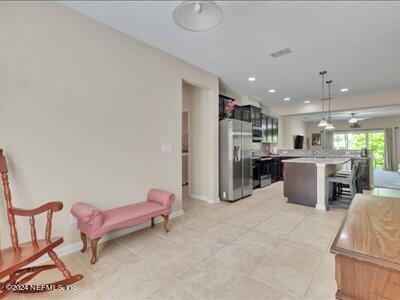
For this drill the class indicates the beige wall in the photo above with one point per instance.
(289, 128)
(84, 111)
(388, 98)
(375, 123)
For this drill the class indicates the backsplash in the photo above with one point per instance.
(321, 153)
(261, 149)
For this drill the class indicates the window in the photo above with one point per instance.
(356, 141)
(339, 141)
(373, 140)
(377, 146)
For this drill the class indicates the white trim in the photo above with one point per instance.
(68, 249)
(320, 207)
(189, 160)
(203, 198)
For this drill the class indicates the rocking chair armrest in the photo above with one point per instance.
(53, 206)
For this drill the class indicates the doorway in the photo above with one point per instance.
(196, 153)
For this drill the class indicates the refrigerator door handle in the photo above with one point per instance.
(236, 154)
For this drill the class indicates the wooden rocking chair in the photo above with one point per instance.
(13, 260)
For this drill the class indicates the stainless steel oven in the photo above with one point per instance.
(265, 171)
(257, 134)
(256, 172)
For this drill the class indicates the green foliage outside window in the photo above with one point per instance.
(356, 141)
(372, 140)
(377, 146)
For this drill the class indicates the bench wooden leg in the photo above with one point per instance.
(84, 241)
(152, 222)
(166, 218)
(94, 250)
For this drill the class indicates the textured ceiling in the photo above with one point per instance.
(362, 114)
(357, 42)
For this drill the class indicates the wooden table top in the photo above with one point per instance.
(371, 230)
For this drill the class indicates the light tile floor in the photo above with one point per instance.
(257, 248)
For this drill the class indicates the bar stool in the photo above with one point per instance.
(358, 177)
(338, 182)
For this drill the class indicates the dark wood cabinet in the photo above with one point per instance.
(237, 113)
(223, 100)
(246, 114)
(264, 128)
(276, 169)
(255, 115)
(269, 126)
(274, 130)
(221, 106)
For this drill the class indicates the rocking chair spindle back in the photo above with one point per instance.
(13, 260)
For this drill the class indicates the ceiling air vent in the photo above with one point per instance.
(281, 52)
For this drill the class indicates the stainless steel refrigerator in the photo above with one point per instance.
(235, 159)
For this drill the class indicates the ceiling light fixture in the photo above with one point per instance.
(251, 79)
(307, 101)
(330, 125)
(197, 16)
(353, 119)
(323, 122)
(271, 91)
(344, 90)
(286, 99)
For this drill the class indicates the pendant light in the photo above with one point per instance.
(330, 125)
(323, 122)
(197, 16)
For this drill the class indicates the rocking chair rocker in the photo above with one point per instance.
(13, 260)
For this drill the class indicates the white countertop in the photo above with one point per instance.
(316, 160)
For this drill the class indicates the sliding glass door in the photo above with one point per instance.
(376, 141)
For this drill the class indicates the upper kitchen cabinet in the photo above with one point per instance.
(246, 114)
(237, 112)
(270, 129)
(264, 128)
(255, 115)
(274, 130)
(223, 100)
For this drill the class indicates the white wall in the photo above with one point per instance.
(84, 111)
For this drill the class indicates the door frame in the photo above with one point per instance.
(187, 110)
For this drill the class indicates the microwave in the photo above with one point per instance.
(257, 134)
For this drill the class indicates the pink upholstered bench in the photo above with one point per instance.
(94, 223)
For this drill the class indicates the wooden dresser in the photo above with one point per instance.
(367, 249)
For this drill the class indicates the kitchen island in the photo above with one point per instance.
(305, 180)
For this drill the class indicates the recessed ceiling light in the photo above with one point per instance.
(286, 99)
(344, 90)
(307, 101)
(271, 91)
(251, 79)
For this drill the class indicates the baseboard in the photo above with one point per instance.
(203, 198)
(68, 249)
(320, 207)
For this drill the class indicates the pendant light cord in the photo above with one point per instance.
(322, 73)
(329, 97)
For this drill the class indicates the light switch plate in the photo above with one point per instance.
(166, 148)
